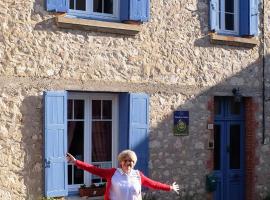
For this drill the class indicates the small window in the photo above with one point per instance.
(234, 17)
(101, 9)
(103, 6)
(228, 16)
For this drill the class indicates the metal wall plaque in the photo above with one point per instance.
(181, 123)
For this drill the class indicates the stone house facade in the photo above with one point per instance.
(173, 59)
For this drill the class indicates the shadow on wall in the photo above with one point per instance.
(185, 159)
(32, 137)
(172, 158)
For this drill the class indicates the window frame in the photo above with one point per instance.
(134, 108)
(89, 13)
(221, 20)
(88, 97)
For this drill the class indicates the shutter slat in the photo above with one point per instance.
(213, 15)
(55, 140)
(57, 5)
(254, 17)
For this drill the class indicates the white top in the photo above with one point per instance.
(126, 186)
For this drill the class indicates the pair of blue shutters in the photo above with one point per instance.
(135, 10)
(133, 134)
(248, 17)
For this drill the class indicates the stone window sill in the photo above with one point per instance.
(64, 21)
(233, 41)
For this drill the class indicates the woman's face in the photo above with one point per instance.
(127, 164)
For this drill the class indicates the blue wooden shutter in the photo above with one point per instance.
(57, 5)
(135, 10)
(213, 15)
(248, 18)
(55, 141)
(138, 129)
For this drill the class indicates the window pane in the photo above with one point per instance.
(97, 179)
(229, 6)
(78, 176)
(96, 109)
(78, 109)
(229, 22)
(235, 146)
(71, 4)
(97, 7)
(70, 174)
(75, 139)
(108, 6)
(217, 146)
(101, 141)
(107, 109)
(70, 109)
(75, 147)
(80, 5)
(235, 107)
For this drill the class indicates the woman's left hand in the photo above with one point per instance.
(175, 187)
(70, 158)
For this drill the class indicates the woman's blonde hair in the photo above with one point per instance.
(127, 154)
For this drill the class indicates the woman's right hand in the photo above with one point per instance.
(175, 187)
(70, 158)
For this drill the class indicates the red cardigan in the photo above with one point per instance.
(108, 173)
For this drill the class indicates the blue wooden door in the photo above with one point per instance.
(229, 149)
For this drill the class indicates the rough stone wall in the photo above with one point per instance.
(263, 173)
(172, 49)
(182, 159)
(171, 59)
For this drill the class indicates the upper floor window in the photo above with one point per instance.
(114, 10)
(103, 9)
(234, 17)
(228, 16)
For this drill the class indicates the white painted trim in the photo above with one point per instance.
(221, 18)
(90, 13)
(88, 97)
(87, 137)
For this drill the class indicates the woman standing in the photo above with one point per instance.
(123, 183)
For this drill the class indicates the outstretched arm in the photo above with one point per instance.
(104, 173)
(157, 185)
